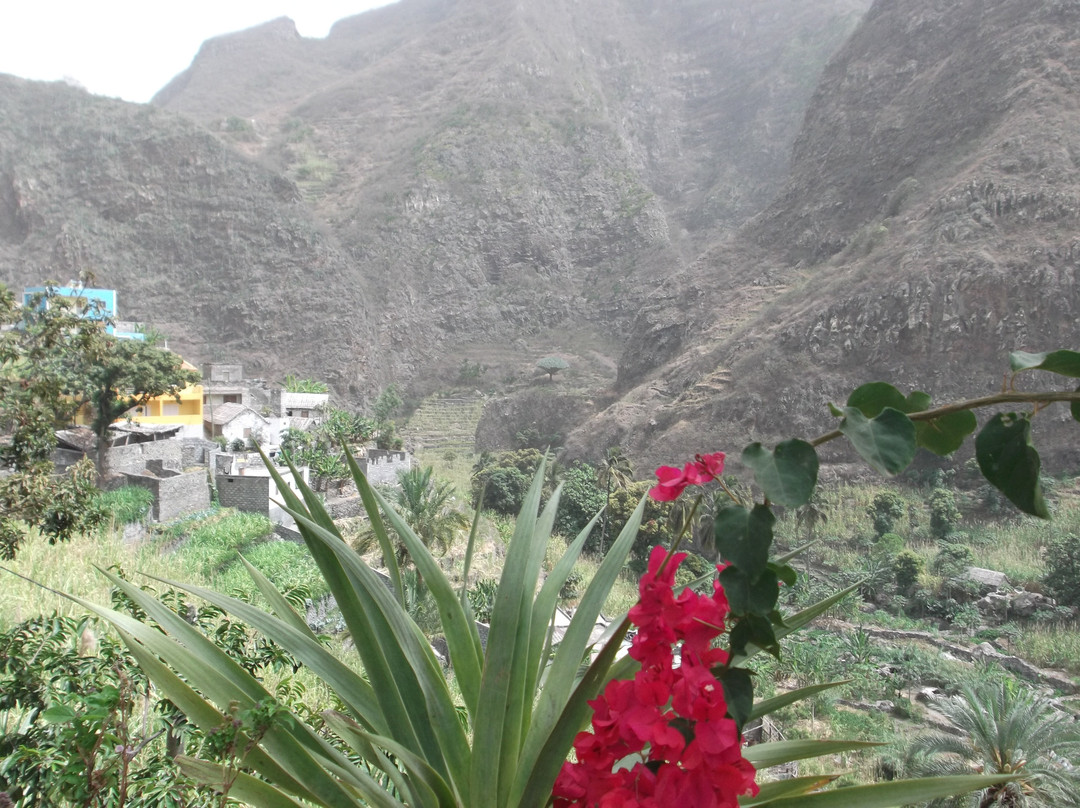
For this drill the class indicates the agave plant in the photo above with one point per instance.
(498, 741)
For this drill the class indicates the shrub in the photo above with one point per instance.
(885, 509)
(907, 567)
(1062, 579)
(943, 513)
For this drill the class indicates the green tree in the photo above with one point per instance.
(581, 500)
(1005, 730)
(552, 365)
(907, 567)
(42, 347)
(504, 478)
(615, 473)
(885, 509)
(943, 512)
(1062, 578)
(429, 508)
(124, 375)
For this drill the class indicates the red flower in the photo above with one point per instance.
(672, 715)
(671, 482)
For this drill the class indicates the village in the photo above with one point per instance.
(190, 449)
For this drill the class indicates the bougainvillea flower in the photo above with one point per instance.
(672, 715)
(671, 482)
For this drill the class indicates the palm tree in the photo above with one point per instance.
(615, 472)
(1006, 730)
(427, 506)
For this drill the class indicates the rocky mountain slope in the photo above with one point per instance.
(928, 228)
(727, 211)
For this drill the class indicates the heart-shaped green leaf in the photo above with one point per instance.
(1008, 460)
(787, 474)
(886, 442)
(743, 538)
(946, 434)
(871, 398)
(1063, 363)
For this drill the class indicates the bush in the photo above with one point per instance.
(1062, 579)
(907, 567)
(581, 500)
(506, 476)
(943, 513)
(885, 509)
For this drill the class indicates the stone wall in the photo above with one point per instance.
(132, 459)
(196, 451)
(255, 493)
(175, 493)
(382, 467)
(251, 494)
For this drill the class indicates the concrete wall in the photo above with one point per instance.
(197, 451)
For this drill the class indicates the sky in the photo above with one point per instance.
(130, 49)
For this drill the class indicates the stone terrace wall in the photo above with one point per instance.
(175, 494)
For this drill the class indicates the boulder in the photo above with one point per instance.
(987, 580)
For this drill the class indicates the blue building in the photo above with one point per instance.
(100, 304)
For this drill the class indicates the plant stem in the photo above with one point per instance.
(973, 404)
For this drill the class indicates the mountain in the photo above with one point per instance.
(927, 228)
(722, 213)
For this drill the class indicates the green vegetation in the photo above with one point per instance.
(1006, 730)
(292, 384)
(552, 365)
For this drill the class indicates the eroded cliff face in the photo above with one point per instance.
(501, 173)
(928, 229)
(212, 249)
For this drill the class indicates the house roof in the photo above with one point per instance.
(311, 401)
(224, 413)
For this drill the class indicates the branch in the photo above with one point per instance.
(973, 404)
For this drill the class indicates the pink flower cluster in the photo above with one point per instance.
(663, 738)
(673, 481)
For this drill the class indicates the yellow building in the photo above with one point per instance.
(188, 411)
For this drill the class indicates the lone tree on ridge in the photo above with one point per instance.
(552, 365)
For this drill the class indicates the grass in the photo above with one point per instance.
(211, 544)
(70, 567)
(1056, 646)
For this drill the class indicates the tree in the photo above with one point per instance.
(127, 374)
(42, 346)
(1062, 578)
(943, 512)
(616, 472)
(886, 508)
(1006, 730)
(552, 365)
(427, 505)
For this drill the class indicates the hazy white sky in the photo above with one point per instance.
(130, 49)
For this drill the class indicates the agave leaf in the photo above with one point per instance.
(785, 788)
(356, 693)
(563, 671)
(438, 791)
(541, 610)
(893, 793)
(289, 745)
(767, 706)
(497, 730)
(539, 777)
(773, 753)
(377, 526)
(278, 604)
(400, 664)
(462, 638)
(249, 790)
